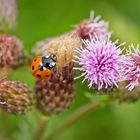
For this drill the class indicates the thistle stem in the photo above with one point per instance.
(41, 128)
(73, 118)
(5, 124)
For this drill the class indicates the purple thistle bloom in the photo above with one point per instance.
(92, 26)
(131, 67)
(100, 61)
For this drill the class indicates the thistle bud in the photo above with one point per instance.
(15, 97)
(11, 51)
(122, 94)
(8, 14)
(56, 94)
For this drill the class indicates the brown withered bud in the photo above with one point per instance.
(15, 97)
(63, 47)
(57, 93)
(37, 49)
(11, 51)
(8, 14)
(122, 94)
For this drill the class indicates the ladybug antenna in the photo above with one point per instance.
(53, 57)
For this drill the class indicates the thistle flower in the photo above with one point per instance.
(100, 62)
(131, 67)
(15, 97)
(11, 51)
(8, 14)
(56, 94)
(62, 47)
(91, 26)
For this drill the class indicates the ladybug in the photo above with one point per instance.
(43, 66)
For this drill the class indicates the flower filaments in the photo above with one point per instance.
(131, 67)
(99, 62)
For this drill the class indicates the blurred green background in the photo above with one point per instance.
(39, 19)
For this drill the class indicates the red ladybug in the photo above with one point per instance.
(42, 67)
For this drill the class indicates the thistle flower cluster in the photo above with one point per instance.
(101, 61)
(89, 49)
(104, 66)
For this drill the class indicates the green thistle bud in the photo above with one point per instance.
(122, 94)
(15, 97)
(11, 51)
(57, 93)
(8, 14)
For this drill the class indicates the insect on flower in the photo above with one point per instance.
(42, 66)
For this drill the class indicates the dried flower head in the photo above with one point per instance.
(11, 51)
(62, 47)
(56, 94)
(15, 97)
(38, 48)
(99, 62)
(92, 26)
(8, 14)
(131, 67)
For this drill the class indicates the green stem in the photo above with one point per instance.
(41, 128)
(73, 118)
(5, 124)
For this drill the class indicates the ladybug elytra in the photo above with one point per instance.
(42, 66)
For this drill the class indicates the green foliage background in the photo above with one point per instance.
(39, 19)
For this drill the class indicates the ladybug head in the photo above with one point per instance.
(53, 57)
(49, 62)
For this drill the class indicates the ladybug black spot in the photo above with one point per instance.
(35, 60)
(38, 75)
(32, 67)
